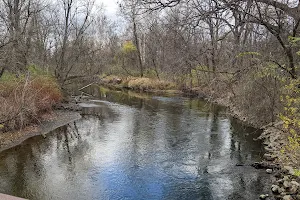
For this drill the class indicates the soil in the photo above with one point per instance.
(48, 123)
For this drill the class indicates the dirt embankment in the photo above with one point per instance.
(286, 180)
(48, 123)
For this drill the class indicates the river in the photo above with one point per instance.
(138, 147)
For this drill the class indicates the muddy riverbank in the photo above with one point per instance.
(48, 123)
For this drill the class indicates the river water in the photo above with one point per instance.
(138, 147)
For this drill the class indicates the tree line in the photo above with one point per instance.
(239, 49)
(244, 51)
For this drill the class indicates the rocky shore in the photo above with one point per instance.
(286, 183)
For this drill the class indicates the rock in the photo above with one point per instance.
(273, 145)
(294, 187)
(287, 197)
(281, 191)
(268, 149)
(289, 170)
(287, 184)
(280, 181)
(295, 183)
(269, 171)
(274, 138)
(278, 175)
(263, 196)
(275, 189)
(265, 165)
(269, 157)
(118, 81)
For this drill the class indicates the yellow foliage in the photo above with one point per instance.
(128, 47)
(291, 120)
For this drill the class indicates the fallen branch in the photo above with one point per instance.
(86, 86)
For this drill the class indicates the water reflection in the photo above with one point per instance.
(133, 147)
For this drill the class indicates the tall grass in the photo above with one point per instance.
(138, 83)
(24, 99)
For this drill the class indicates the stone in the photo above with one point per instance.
(289, 170)
(269, 157)
(263, 196)
(280, 181)
(275, 189)
(265, 165)
(278, 175)
(287, 197)
(295, 183)
(287, 184)
(269, 171)
(268, 149)
(294, 187)
(286, 178)
(272, 145)
(281, 191)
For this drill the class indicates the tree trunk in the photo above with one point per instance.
(136, 41)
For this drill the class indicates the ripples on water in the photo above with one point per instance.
(135, 148)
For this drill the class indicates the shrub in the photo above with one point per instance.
(146, 84)
(24, 99)
(291, 121)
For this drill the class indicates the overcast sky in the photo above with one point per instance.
(111, 7)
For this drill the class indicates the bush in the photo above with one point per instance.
(24, 99)
(147, 84)
(291, 121)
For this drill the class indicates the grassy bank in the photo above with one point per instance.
(141, 84)
(24, 99)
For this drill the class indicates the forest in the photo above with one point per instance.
(243, 53)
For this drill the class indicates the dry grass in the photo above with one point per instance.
(147, 84)
(138, 83)
(111, 79)
(24, 99)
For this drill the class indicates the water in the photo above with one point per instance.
(136, 147)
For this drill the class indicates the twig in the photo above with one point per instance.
(86, 86)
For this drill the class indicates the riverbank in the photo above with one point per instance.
(138, 84)
(285, 175)
(286, 179)
(24, 99)
(272, 137)
(160, 87)
(286, 184)
(148, 128)
(48, 123)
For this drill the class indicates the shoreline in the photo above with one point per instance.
(55, 120)
(286, 185)
(192, 93)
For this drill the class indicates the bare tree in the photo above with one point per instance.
(70, 35)
(130, 9)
